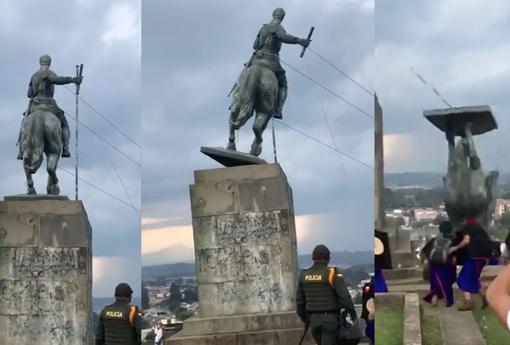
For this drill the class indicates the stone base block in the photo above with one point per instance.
(45, 271)
(245, 240)
(254, 329)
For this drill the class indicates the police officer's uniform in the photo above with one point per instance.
(321, 294)
(120, 322)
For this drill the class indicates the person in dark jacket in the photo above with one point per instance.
(442, 273)
(479, 249)
(120, 322)
(321, 295)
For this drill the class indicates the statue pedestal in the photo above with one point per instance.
(246, 258)
(45, 271)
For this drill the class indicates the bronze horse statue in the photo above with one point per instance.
(256, 91)
(41, 133)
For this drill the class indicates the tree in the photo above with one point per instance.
(175, 293)
(145, 298)
(190, 295)
(183, 314)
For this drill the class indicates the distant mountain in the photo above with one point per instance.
(151, 273)
(99, 302)
(342, 258)
(180, 269)
(426, 179)
(422, 179)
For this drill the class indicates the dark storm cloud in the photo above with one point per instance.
(463, 49)
(105, 37)
(193, 52)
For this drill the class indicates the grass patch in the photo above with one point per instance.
(493, 332)
(430, 327)
(389, 325)
(431, 333)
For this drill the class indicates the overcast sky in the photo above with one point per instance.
(459, 46)
(105, 37)
(193, 51)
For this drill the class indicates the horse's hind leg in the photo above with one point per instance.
(231, 138)
(259, 125)
(52, 187)
(30, 182)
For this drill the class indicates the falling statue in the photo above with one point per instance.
(469, 191)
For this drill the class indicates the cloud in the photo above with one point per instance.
(122, 24)
(175, 244)
(112, 270)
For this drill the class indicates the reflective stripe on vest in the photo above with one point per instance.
(132, 314)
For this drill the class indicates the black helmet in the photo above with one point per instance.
(45, 60)
(321, 252)
(123, 290)
(278, 13)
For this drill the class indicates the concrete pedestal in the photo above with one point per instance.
(45, 271)
(246, 258)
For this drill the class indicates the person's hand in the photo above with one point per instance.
(452, 249)
(77, 80)
(305, 42)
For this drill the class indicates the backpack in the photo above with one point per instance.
(439, 253)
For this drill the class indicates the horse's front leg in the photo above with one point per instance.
(259, 125)
(30, 182)
(51, 166)
(232, 137)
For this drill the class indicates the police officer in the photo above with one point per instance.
(120, 322)
(321, 294)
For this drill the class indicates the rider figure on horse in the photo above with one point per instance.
(267, 49)
(40, 92)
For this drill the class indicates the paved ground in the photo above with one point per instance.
(459, 328)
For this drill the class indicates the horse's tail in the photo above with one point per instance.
(244, 96)
(32, 141)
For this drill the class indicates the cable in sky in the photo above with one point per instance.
(326, 119)
(105, 118)
(371, 93)
(326, 145)
(104, 140)
(328, 90)
(431, 86)
(100, 189)
(117, 172)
